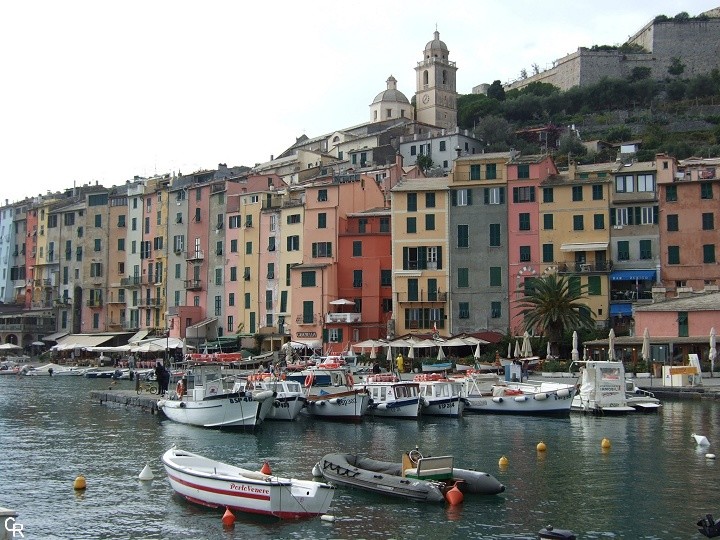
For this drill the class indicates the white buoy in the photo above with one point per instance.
(327, 517)
(710, 456)
(316, 470)
(146, 473)
(701, 440)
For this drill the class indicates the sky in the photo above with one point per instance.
(104, 91)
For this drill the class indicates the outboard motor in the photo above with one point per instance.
(549, 533)
(708, 526)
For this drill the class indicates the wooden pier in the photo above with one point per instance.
(127, 398)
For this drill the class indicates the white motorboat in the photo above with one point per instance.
(440, 396)
(219, 485)
(47, 370)
(602, 388)
(331, 395)
(639, 399)
(212, 402)
(69, 372)
(391, 397)
(530, 397)
(289, 395)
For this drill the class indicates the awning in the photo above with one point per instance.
(75, 341)
(201, 324)
(308, 343)
(55, 336)
(632, 275)
(588, 246)
(620, 310)
(139, 336)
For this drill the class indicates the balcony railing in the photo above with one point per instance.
(195, 255)
(193, 284)
(62, 302)
(149, 302)
(134, 281)
(95, 303)
(584, 268)
(422, 296)
(343, 318)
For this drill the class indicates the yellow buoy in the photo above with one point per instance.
(541, 447)
(605, 443)
(79, 483)
(503, 462)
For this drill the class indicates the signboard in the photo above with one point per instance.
(683, 370)
(305, 334)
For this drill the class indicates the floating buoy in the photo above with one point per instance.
(79, 483)
(503, 462)
(228, 519)
(316, 472)
(701, 440)
(710, 456)
(328, 517)
(605, 443)
(541, 446)
(146, 473)
(266, 468)
(454, 496)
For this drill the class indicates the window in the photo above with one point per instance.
(547, 222)
(248, 248)
(672, 222)
(671, 193)
(597, 192)
(578, 223)
(495, 310)
(98, 244)
(234, 245)
(357, 278)
(233, 273)
(494, 195)
(268, 300)
(709, 253)
(577, 193)
(429, 222)
(322, 195)
(462, 197)
(411, 225)
(491, 171)
(464, 310)
(233, 222)
(218, 276)
(442, 146)
(412, 202)
(624, 184)
(645, 249)
(548, 195)
(121, 244)
(96, 270)
(524, 194)
(248, 221)
(494, 235)
(413, 150)
(523, 170)
(524, 221)
(386, 278)
(429, 200)
(475, 172)
(98, 220)
(133, 224)
(293, 243)
(362, 225)
(271, 270)
(623, 250)
(321, 249)
(384, 224)
(706, 191)
(121, 220)
(463, 236)
(708, 221)
(599, 221)
(357, 248)
(463, 279)
(548, 253)
(646, 182)
(246, 274)
(674, 254)
(271, 243)
(247, 300)
(524, 253)
(322, 220)
(648, 215)
(412, 289)
(495, 276)
(594, 286)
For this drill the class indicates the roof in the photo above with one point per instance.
(436, 43)
(694, 302)
(422, 184)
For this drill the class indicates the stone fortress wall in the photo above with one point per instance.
(695, 42)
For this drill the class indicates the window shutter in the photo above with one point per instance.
(314, 249)
(339, 335)
(638, 213)
(532, 194)
(655, 215)
(439, 257)
(612, 216)
(405, 258)
(325, 336)
(486, 195)
(515, 194)
(422, 258)
(469, 197)
(454, 197)
(502, 195)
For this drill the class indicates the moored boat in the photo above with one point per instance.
(336, 399)
(218, 485)
(440, 396)
(639, 399)
(289, 397)
(390, 397)
(602, 388)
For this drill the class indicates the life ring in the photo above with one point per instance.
(309, 380)
(179, 389)
(350, 381)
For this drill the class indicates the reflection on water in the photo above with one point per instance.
(652, 483)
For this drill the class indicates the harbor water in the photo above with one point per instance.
(653, 483)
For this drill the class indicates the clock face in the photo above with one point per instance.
(426, 98)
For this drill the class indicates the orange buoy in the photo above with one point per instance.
(266, 468)
(454, 496)
(228, 518)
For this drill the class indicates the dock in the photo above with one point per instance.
(127, 398)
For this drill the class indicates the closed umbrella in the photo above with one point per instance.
(441, 354)
(388, 356)
(411, 352)
(548, 352)
(575, 355)
(713, 350)
(645, 352)
(526, 351)
(517, 348)
(373, 354)
(509, 355)
(477, 352)
(611, 345)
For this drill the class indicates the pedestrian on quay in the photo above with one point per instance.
(163, 378)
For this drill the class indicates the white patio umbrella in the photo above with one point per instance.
(526, 351)
(611, 345)
(389, 357)
(518, 350)
(713, 350)
(441, 354)
(373, 354)
(575, 355)
(509, 354)
(645, 352)
(411, 352)
(9, 347)
(477, 352)
(548, 353)
(342, 302)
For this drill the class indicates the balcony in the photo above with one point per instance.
(346, 318)
(129, 325)
(149, 302)
(134, 281)
(422, 296)
(196, 255)
(94, 303)
(193, 285)
(584, 268)
(62, 302)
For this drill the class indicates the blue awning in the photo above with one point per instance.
(620, 310)
(632, 275)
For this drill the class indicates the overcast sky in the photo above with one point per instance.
(103, 90)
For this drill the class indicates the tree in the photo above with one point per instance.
(494, 131)
(424, 162)
(570, 144)
(553, 305)
(496, 91)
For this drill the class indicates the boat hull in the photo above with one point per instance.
(350, 406)
(219, 485)
(452, 407)
(286, 407)
(401, 408)
(231, 410)
(555, 400)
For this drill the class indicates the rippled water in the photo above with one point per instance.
(654, 483)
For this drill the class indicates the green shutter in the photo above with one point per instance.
(453, 197)
(325, 336)
(486, 195)
(406, 265)
(439, 258)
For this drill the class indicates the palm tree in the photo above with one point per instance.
(553, 304)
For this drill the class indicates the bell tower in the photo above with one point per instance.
(436, 95)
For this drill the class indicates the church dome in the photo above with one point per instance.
(436, 43)
(392, 94)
